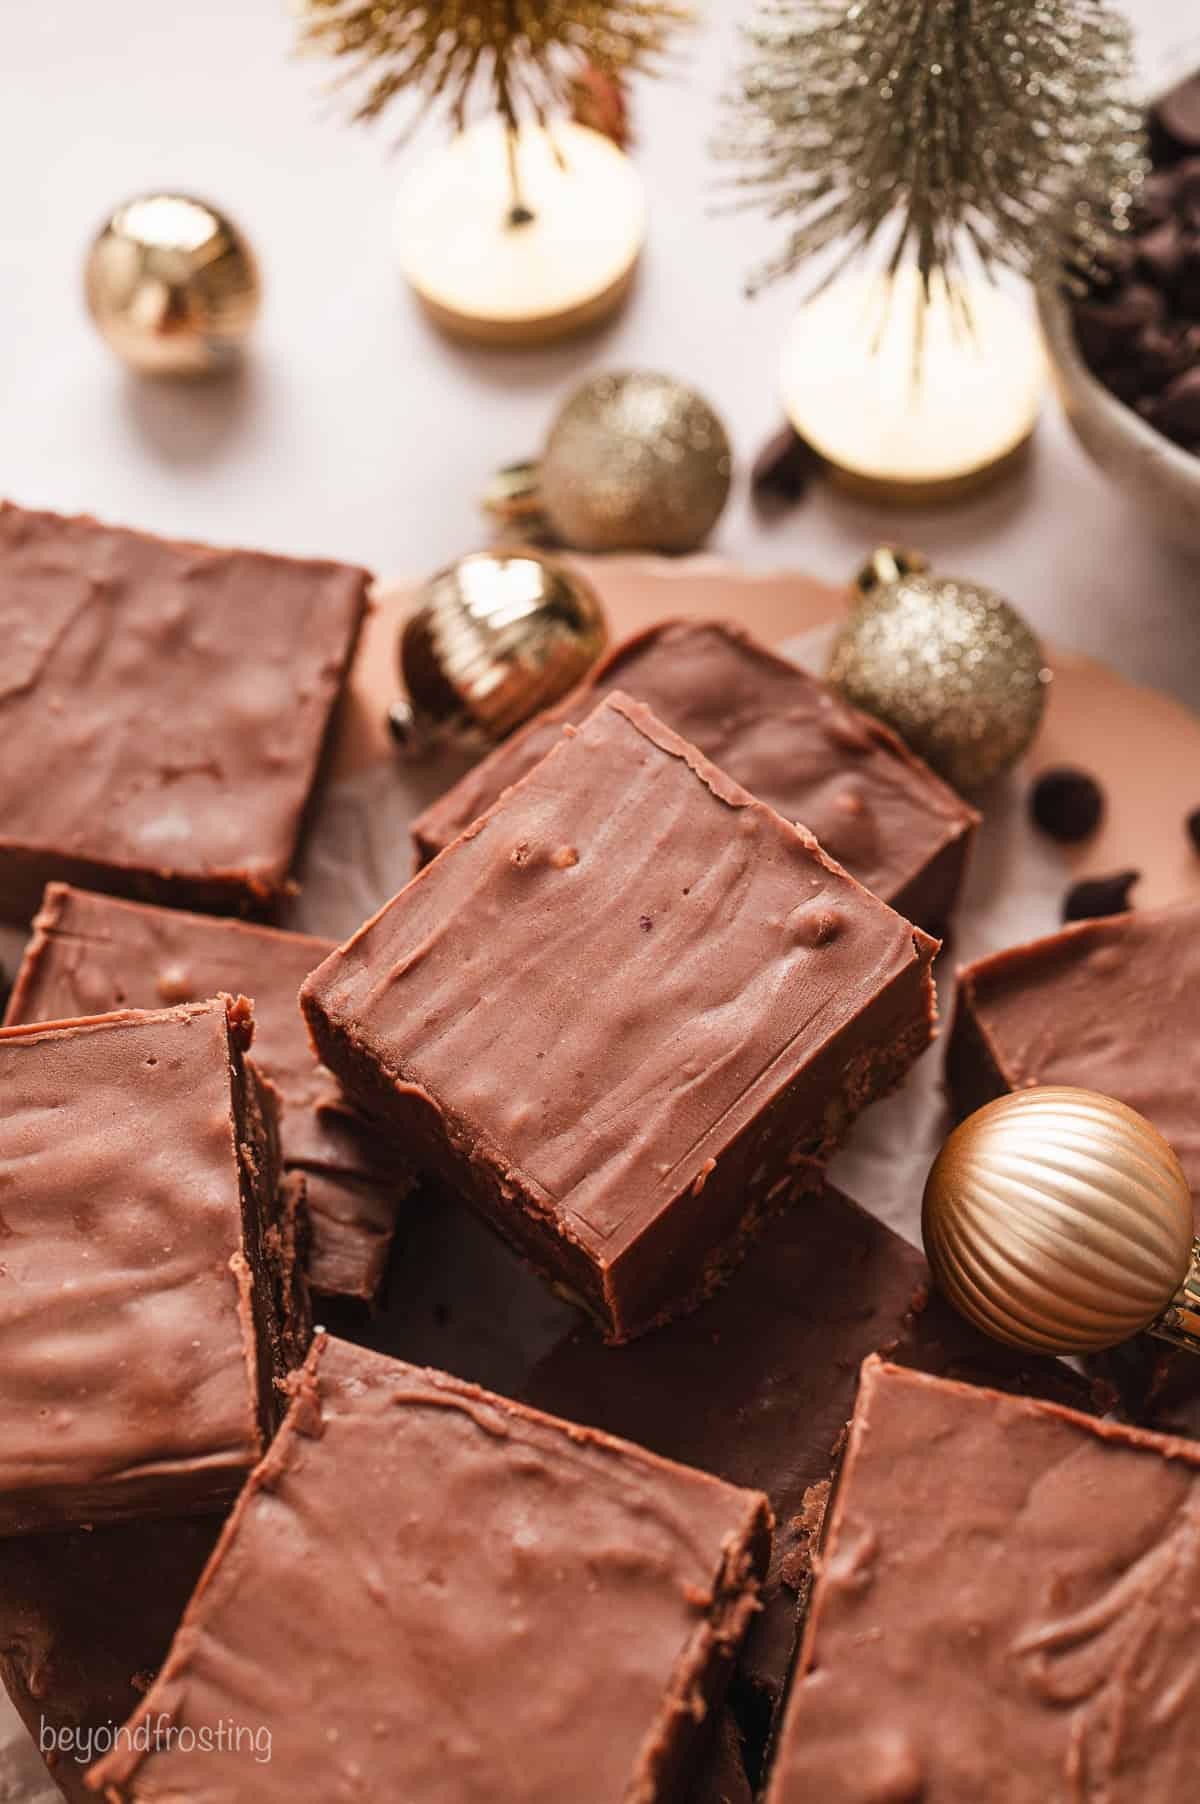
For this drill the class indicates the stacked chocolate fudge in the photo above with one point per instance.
(674, 938)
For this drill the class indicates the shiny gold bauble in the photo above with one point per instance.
(1058, 1220)
(949, 665)
(172, 285)
(635, 462)
(494, 639)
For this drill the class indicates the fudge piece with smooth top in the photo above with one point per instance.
(626, 1015)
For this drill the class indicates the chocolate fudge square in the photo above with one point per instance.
(139, 1340)
(1005, 1609)
(429, 1592)
(625, 1014)
(163, 708)
(782, 735)
(1111, 1005)
(90, 954)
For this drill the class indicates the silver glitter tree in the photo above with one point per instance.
(938, 129)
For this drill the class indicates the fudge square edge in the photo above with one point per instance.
(141, 757)
(1004, 1606)
(90, 953)
(494, 1558)
(139, 1335)
(626, 1015)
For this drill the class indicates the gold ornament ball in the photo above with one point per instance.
(1058, 1220)
(950, 666)
(494, 639)
(635, 462)
(172, 285)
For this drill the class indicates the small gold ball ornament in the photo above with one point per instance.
(948, 664)
(495, 638)
(173, 286)
(1060, 1221)
(635, 462)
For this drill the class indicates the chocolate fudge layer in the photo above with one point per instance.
(86, 1619)
(1108, 1005)
(756, 1387)
(90, 954)
(139, 1342)
(163, 708)
(723, 1776)
(785, 737)
(624, 1015)
(500, 1607)
(1005, 1607)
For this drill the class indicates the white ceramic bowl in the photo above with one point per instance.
(1163, 478)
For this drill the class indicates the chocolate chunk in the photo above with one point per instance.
(1187, 193)
(1155, 201)
(1093, 896)
(163, 709)
(1177, 115)
(778, 732)
(1179, 408)
(1193, 827)
(783, 469)
(1160, 253)
(540, 1602)
(1066, 803)
(970, 1631)
(555, 1109)
(90, 954)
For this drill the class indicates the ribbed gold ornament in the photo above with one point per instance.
(494, 639)
(1060, 1221)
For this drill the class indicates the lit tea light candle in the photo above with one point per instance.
(913, 409)
(523, 238)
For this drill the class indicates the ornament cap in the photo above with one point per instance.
(888, 564)
(1179, 1322)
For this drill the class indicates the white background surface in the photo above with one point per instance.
(356, 431)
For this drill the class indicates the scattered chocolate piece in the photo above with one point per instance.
(783, 469)
(1094, 896)
(1067, 803)
(1193, 827)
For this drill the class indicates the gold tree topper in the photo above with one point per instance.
(524, 54)
(938, 128)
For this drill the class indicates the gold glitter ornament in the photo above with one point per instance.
(495, 638)
(950, 666)
(939, 128)
(635, 462)
(172, 285)
(1060, 1221)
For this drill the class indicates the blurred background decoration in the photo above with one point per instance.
(528, 226)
